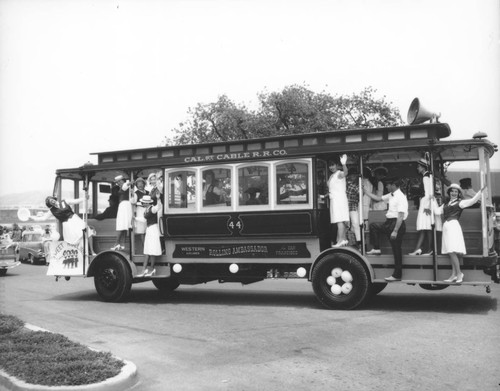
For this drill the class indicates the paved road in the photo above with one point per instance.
(273, 335)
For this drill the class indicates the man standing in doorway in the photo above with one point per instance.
(394, 226)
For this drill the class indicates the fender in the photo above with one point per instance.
(342, 250)
(118, 254)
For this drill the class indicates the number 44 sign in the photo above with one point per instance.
(65, 259)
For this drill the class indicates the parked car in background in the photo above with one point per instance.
(9, 255)
(31, 248)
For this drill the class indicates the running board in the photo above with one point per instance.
(415, 282)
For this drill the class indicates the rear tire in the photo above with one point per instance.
(166, 285)
(112, 279)
(3, 272)
(323, 290)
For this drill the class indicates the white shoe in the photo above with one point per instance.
(374, 252)
(416, 252)
(342, 243)
(115, 248)
(153, 272)
(460, 278)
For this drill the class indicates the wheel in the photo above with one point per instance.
(112, 279)
(377, 287)
(329, 277)
(3, 272)
(169, 284)
(433, 287)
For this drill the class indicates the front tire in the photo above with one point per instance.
(166, 285)
(323, 285)
(112, 279)
(3, 272)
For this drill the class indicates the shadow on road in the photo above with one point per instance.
(434, 302)
(418, 302)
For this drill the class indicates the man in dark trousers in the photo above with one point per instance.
(394, 226)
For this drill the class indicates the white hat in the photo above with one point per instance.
(146, 200)
(119, 178)
(455, 186)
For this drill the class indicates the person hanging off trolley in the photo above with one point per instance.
(453, 242)
(152, 244)
(339, 208)
(125, 214)
(72, 225)
(424, 217)
(394, 226)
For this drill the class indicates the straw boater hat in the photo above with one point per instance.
(146, 200)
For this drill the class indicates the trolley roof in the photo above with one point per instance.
(380, 143)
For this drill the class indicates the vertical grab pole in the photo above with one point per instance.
(483, 170)
(85, 218)
(360, 205)
(430, 160)
(134, 206)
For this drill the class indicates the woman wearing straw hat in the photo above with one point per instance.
(453, 242)
(152, 244)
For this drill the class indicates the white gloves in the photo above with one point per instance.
(343, 159)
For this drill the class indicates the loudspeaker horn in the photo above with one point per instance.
(417, 114)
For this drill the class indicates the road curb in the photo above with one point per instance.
(121, 382)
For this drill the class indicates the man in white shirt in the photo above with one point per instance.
(394, 226)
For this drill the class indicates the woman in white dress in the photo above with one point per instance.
(453, 239)
(339, 207)
(424, 216)
(379, 173)
(124, 215)
(152, 243)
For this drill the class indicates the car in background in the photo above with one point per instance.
(9, 255)
(31, 248)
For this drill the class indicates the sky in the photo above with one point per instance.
(83, 76)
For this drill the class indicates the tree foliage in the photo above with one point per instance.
(295, 109)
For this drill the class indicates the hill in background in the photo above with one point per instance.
(34, 198)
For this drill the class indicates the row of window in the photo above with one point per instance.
(243, 186)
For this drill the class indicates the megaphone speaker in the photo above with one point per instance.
(418, 114)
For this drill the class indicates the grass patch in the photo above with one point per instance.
(50, 359)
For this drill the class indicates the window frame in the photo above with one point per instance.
(269, 205)
(217, 207)
(234, 168)
(166, 190)
(310, 193)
